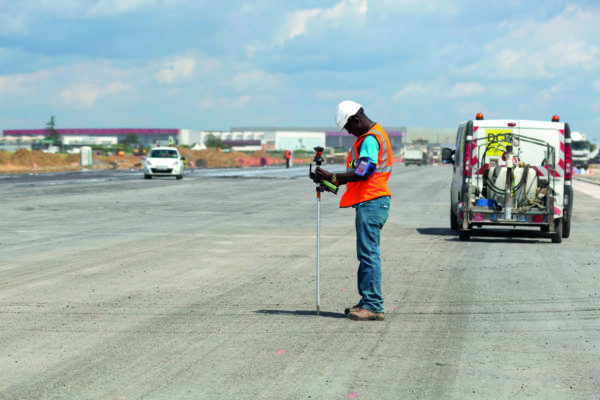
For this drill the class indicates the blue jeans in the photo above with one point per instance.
(370, 218)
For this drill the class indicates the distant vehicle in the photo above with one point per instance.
(510, 173)
(594, 156)
(163, 161)
(51, 149)
(336, 155)
(581, 150)
(436, 155)
(414, 156)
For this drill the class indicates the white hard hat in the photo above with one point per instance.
(345, 110)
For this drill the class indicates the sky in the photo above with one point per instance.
(213, 65)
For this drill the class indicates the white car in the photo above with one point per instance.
(163, 161)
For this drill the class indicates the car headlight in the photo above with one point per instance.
(148, 163)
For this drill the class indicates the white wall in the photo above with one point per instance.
(89, 140)
(189, 137)
(291, 140)
(282, 140)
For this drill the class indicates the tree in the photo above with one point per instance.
(53, 134)
(213, 141)
(131, 140)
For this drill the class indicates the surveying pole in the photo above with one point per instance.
(321, 187)
(318, 296)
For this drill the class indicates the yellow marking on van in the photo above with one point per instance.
(497, 136)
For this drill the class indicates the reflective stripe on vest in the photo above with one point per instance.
(376, 185)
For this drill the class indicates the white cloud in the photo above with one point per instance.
(441, 7)
(256, 80)
(507, 59)
(533, 49)
(185, 68)
(416, 91)
(209, 103)
(346, 9)
(425, 92)
(23, 84)
(275, 56)
(552, 92)
(17, 16)
(176, 70)
(7, 84)
(576, 54)
(116, 7)
(299, 22)
(465, 89)
(68, 85)
(595, 106)
(115, 87)
(341, 94)
(13, 23)
(470, 109)
(84, 95)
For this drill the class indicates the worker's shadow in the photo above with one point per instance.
(302, 313)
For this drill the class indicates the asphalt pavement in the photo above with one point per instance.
(204, 288)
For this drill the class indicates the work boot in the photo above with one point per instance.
(362, 314)
(347, 310)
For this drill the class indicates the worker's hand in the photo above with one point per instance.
(323, 174)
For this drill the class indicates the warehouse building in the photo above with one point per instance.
(146, 137)
(248, 138)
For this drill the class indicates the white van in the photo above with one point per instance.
(511, 173)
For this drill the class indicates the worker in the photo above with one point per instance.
(288, 158)
(368, 169)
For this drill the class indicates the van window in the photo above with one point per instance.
(460, 145)
(459, 139)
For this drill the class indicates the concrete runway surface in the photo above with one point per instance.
(205, 289)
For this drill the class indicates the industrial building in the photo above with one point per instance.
(445, 136)
(146, 137)
(249, 138)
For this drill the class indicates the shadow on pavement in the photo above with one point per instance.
(491, 234)
(510, 235)
(302, 313)
(437, 231)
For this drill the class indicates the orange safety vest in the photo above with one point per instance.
(376, 185)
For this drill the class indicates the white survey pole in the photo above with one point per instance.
(318, 299)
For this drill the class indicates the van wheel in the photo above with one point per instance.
(556, 235)
(180, 176)
(464, 234)
(566, 229)
(146, 176)
(453, 221)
